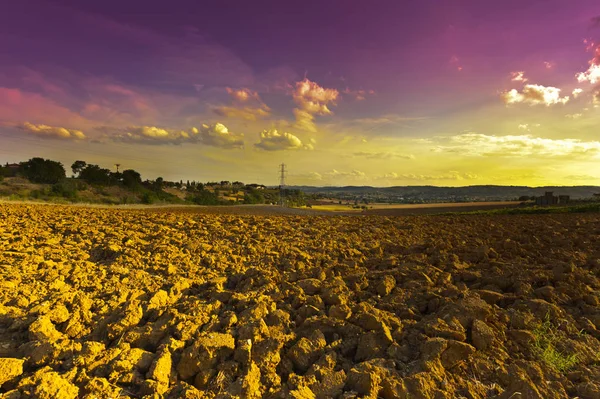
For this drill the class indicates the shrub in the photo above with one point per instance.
(546, 336)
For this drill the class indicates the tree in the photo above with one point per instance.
(40, 170)
(131, 178)
(77, 167)
(94, 174)
(158, 183)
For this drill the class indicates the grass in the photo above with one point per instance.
(546, 335)
(535, 210)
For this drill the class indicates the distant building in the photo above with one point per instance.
(550, 199)
(11, 169)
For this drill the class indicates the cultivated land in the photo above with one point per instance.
(107, 303)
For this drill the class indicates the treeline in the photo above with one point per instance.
(91, 177)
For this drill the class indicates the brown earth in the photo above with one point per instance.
(106, 303)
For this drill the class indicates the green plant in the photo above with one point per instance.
(544, 345)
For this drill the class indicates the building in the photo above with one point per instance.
(550, 199)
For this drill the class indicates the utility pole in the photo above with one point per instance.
(282, 173)
(118, 165)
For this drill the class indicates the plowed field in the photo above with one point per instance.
(108, 303)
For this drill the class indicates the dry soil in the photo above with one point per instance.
(107, 303)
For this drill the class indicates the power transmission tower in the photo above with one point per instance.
(118, 165)
(282, 173)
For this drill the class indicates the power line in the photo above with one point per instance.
(282, 173)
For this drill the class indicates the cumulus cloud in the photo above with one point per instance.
(54, 132)
(535, 95)
(272, 140)
(218, 135)
(577, 92)
(476, 144)
(312, 100)
(147, 135)
(518, 76)
(592, 74)
(383, 155)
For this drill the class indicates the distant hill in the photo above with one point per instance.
(437, 193)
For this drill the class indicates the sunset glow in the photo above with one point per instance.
(386, 93)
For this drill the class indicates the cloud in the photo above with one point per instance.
(527, 127)
(358, 95)
(592, 74)
(218, 135)
(240, 108)
(353, 174)
(246, 113)
(451, 175)
(272, 140)
(582, 177)
(242, 95)
(382, 155)
(518, 76)
(577, 92)
(476, 144)
(312, 100)
(52, 132)
(534, 95)
(573, 116)
(147, 135)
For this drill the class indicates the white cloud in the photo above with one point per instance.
(577, 92)
(534, 95)
(592, 75)
(527, 127)
(312, 100)
(218, 135)
(272, 140)
(382, 155)
(148, 135)
(475, 144)
(52, 131)
(573, 116)
(518, 77)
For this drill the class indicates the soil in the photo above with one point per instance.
(141, 303)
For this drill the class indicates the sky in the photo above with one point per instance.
(344, 92)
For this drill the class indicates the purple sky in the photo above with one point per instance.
(403, 73)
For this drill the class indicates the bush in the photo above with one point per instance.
(149, 198)
(65, 189)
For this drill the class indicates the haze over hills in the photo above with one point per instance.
(450, 194)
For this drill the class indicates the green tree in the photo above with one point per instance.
(131, 178)
(158, 183)
(40, 170)
(94, 174)
(77, 167)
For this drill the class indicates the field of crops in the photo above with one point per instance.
(109, 303)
